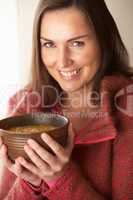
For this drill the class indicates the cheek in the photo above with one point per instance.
(93, 54)
(88, 57)
(92, 60)
(47, 59)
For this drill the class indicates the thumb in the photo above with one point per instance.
(18, 168)
(71, 135)
(1, 141)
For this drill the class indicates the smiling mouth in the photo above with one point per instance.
(71, 74)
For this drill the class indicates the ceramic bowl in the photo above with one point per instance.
(15, 141)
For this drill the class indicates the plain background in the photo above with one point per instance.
(16, 19)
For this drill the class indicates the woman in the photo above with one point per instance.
(79, 69)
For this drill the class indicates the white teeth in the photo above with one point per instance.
(69, 74)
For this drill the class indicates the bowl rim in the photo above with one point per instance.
(24, 133)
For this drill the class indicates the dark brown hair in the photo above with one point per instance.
(114, 54)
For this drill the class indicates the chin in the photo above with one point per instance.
(71, 89)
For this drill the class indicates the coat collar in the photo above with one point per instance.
(102, 127)
(98, 129)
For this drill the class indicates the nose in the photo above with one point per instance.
(64, 59)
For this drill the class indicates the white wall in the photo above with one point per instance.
(122, 12)
(8, 53)
(26, 9)
(9, 64)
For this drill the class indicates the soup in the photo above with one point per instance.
(35, 128)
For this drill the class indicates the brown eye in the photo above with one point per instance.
(78, 44)
(48, 44)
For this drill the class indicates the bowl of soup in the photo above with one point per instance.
(16, 130)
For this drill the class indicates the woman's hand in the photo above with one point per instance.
(17, 168)
(47, 166)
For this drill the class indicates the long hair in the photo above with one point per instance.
(114, 60)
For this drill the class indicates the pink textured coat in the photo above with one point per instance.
(101, 166)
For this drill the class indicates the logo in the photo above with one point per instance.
(127, 94)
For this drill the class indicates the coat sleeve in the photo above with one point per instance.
(20, 103)
(72, 186)
(6, 182)
(22, 192)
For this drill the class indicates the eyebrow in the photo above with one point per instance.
(74, 38)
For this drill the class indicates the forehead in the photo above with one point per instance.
(64, 23)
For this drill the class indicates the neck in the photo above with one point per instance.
(79, 100)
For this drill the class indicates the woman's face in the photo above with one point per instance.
(69, 48)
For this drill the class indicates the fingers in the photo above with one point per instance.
(44, 161)
(71, 136)
(38, 162)
(1, 142)
(15, 168)
(61, 153)
(24, 173)
(7, 162)
(44, 154)
(28, 165)
(0, 146)
(49, 163)
(55, 146)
